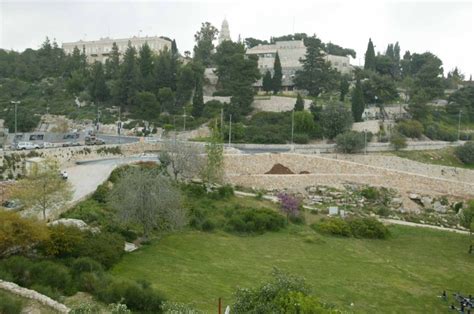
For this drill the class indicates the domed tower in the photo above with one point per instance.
(224, 34)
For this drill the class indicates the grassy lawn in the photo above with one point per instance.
(401, 275)
(445, 157)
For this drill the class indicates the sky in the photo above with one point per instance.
(444, 28)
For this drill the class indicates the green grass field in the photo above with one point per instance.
(401, 275)
(444, 157)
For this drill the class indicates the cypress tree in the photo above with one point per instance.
(370, 60)
(277, 75)
(98, 88)
(198, 100)
(145, 63)
(112, 65)
(129, 77)
(174, 48)
(357, 102)
(299, 105)
(343, 89)
(267, 83)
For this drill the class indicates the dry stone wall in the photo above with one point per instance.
(249, 171)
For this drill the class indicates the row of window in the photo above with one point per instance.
(90, 50)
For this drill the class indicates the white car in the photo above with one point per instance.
(26, 145)
(64, 174)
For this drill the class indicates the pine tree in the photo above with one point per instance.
(370, 61)
(357, 102)
(343, 89)
(174, 48)
(112, 64)
(98, 88)
(145, 63)
(267, 83)
(299, 105)
(277, 75)
(198, 100)
(186, 83)
(129, 77)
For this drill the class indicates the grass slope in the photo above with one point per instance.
(444, 157)
(401, 275)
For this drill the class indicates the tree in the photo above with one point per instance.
(167, 100)
(165, 71)
(186, 83)
(26, 121)
(350, 142)
(335, 119)
(98, 88)
(198, 100)
(267, 82)
(343, 88)
(181, 160)
(112, 64)
(337, 50)
(153, 201)
(379, 89)
(147, 106)
(174, 48)
(357, 102)
(204, 46)
(466, 153)
(43, 189)
(427, 71)
(145, 63)
(252, 42)
(212, 171)
(398, 141)
(289, 205)
(19, 235)
(317, 75)
(304, 122)
(299, 105)
(277, 75)
(370, 62)
(129, 78)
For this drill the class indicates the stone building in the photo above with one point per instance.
(290, 53)
(99, 50)
(224, 34)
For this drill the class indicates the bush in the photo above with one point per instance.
(351, 142)
(369, 228)
(370, 193)
(105, 248)
(85, 264)
(410, 128)
(466, 153)
(63, 242)
(90, 211)
(333, 226)
(100, 194)
(301, 138)
(398, 141)
(18, 270)
(222, 192)
(53, 275)
(255, 221)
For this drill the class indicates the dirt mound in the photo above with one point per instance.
(279, 169)
(304, 172)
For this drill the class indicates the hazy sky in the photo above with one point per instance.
(444, 28)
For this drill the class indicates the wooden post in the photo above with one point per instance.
(220, 306)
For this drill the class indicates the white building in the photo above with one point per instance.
(99, 50)
(290, 53)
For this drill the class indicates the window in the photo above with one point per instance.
(344, 64)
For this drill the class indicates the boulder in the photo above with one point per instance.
(69, 222)
(439, 208)
(426, 202)
(130, 247)
(414, 196)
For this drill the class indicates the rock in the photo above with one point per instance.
(426, 202)
(130, 247)
(414, 196)
(80, 224)
(397, 202)
(439, 208)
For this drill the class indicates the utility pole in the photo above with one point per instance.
(120, 125)
(16, 114)
(222, 122)
(230, 129)
(459, 126)
(365, 141)
(184, 119)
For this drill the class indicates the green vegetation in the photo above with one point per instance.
(445, 157)
(403, 273)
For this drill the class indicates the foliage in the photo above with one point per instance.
(289, 205)
(267, 82)
(64, 241)
(398, 141)
(467, 217)
(368, 228)
(299, 105)
(379, 89)
(204, 46)
(182, 160)
(466, 153)
(333, 226)
(284, 293)
(43, 188)
(370, 61)
(148, 199)
(9, 304)
(317, 75)
(198, 101)
(463, 100)
(410, 128)
(343, 88)
(19, 235)
(304, 122)
(335, 119)
(351, 142)
(357, 102)
(254, 221)
(212, 171)
(277, 75)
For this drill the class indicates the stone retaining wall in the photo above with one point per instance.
(249, 171)
(33, 295)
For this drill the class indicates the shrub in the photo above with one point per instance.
(333, 226)
(301, 138)
(370, 193)
(350, 142)
(410, 128)
(255, 221)
(53, 275)
(18, 270)
(64, 241)
(222, 192)
(106, 248)
(90, 211)
(466, 153)
(398, 141)
(85, 264)
(100, 194)
(369, 228)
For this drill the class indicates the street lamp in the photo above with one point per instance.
(292, 127)
(230, 129)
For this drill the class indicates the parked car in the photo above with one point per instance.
(12, 205)
(92, 140)
(26, 145)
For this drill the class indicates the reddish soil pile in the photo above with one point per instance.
(279, 169)
(304, 172)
